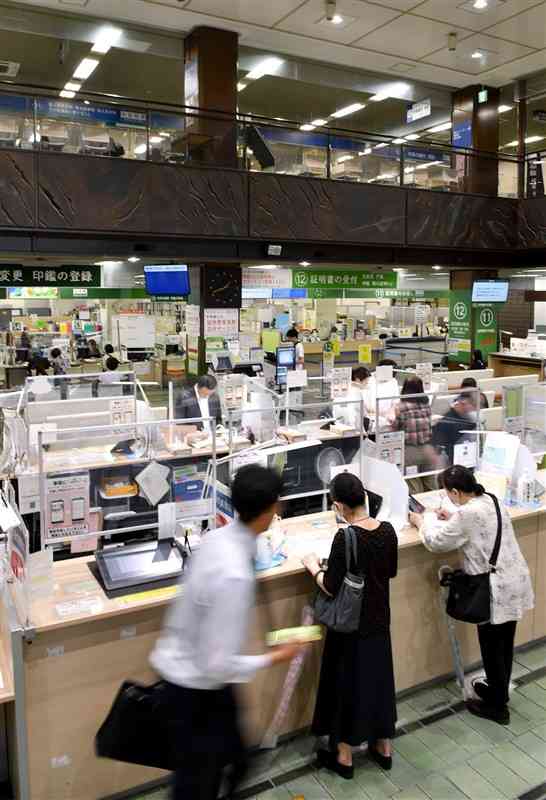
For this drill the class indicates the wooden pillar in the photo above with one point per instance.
(476, 125)
(210, 85)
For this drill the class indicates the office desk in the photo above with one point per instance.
(506, 364)
(85, 645)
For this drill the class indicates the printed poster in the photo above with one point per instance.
(67, 505)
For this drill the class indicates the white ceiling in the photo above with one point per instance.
(405, 37)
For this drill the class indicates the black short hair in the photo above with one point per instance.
(461, 478)
(414, 385)
(348, 489)
(469, 382)
(468, 397)
(112, 363)
(360, 373)
(387, 362)
(207, 382)
(55, 353)
(254, 490)
(292, 333)
(108, 348)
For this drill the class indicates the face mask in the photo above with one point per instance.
(339, 513)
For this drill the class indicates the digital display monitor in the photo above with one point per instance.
(173, 279)
(286, 359)
(490, 291)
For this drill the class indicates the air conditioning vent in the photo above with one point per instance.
(9, 69)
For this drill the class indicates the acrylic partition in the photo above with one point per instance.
(531, 405)
(109, 481)
(423, 434)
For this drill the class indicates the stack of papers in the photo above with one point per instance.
(153, 482)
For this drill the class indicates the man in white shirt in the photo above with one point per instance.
(293, 336)
(199, 652)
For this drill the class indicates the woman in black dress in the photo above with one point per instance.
(356, 697)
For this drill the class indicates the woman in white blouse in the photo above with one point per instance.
(473, 529)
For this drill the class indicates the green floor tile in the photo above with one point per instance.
(308, 787)
(542, 682)
(472, 784)
(533, 746)
(412, 793)
(417, 754)
(490, 730)
(527, 709)
(462, 734)
(375, 782)
(428, 701)
(506, 781)
(540, 730)
(339, 788)
(436, 787)
(403, 774)
(279, 793)
(535, 693)
(534, 658)
(442, 746)
(520, 763)
(407, 713)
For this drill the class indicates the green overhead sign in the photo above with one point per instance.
(338, 279)
(15, 275)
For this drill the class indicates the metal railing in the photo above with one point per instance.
(177, 135)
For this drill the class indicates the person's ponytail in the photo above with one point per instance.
(462, 479)
(479, 490)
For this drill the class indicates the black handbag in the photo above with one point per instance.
(137, 728)
(469, 597)
(342, 612)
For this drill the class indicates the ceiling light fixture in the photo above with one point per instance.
(352, 109)
(342, 159)
(479, 5)
(510, 144)
(140, 149)
(133, 260)
(156, 139)
(67, 95)
(85, 68)
(436, 267)
(365, 152)
(318, 123)
(445, 126)
(411, 137)
(531, 139)
(380, 145)
(106, 39)
(337, 19)
(72, 87)
(502, 109)
(307, 127)
(399, 141)
(269, 66)
(241, 86)
(476, 54)
(304, 263)
(377, 98)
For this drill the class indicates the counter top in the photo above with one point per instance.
(78, 596)
(518, 356)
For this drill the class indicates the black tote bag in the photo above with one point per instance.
(469, 597)
(138, 727)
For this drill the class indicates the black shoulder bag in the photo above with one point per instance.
(342, 612)
(469, 598)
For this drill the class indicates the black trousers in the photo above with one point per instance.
(208, 740)
(497, 648)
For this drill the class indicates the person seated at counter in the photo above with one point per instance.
(110, 375)
(348, 411)
(356, 695)
(386, 390)
(200, 401)
(94, 351)
(477, 361)
(293, 337)
(413, 415)
(453, 427)
(58, 362)
(109, 352)
(472, 383)
(473, 529)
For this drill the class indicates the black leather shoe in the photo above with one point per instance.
(481, 688)
(328, 760)
(481, 709)
(385, 762)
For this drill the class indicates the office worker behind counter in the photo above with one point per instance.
(200, 400)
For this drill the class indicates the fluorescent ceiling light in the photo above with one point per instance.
(380, 145)
(342, 159)
(307, 127)
(155, 139)
(398, 269)
(477, 54)
(511, 144)
(479, 5)
(398, 141)
(377, 98)
(411, 137)
(429, 164)
(67, 95)
(445, 126)
(72, 87)
(241, 86)
(365, 152)
(268, 66)
(337, 19)
(107, 38)
(265, 266)
(133, 260)
(305, 263)
(85, 68)
(318, 123)
(436, 267)
(502, 109)
(140, 149)
(352, 109)
(531, 139)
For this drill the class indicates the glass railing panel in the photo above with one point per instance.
(281, 150)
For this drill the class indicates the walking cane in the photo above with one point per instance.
(452, 633)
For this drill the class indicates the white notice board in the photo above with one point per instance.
(135, 330)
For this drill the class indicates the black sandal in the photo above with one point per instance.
(328, 760)
(385, 762)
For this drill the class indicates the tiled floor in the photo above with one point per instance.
(442, 753)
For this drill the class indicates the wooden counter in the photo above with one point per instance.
(506, 364)
(84, 645)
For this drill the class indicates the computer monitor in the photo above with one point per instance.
(222, 363)
(253, 370)
(490, 291)
(286, 360)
